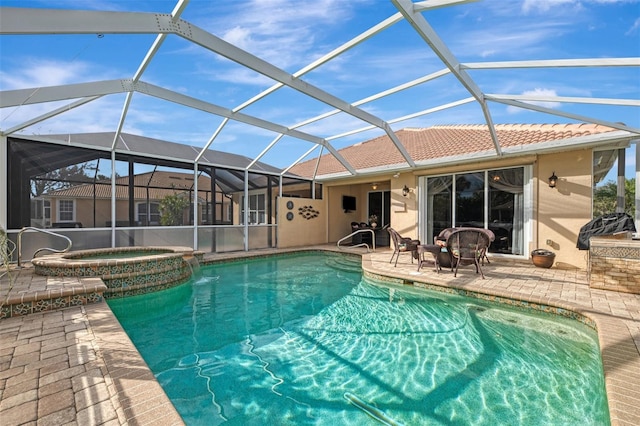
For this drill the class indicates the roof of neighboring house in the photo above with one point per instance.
(152, 185)
(437, 145)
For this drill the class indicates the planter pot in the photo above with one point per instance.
(543, 258)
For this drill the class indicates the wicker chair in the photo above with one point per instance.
(402, 245)
(445, 233)
(467, 246)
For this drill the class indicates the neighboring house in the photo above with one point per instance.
(74, 206)
(459, 178)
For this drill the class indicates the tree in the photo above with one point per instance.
(64, 177)
(605, 196)
(172, 210)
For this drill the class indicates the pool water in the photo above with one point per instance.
(304, 340)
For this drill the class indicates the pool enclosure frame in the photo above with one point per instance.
(67, 97)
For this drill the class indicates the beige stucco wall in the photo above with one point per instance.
(303, 229)
(404, 209)
(560, 212)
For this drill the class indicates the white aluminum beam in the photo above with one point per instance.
(301, 158)
(329, 56)
(568, 99)
(18, 21)
(49, 114)
(9, 98)
(179, 98)
(211, 139)
(177, 11)
(582, 118)
(554, 63)
(427, 33)
(406, 117)
(377, 96)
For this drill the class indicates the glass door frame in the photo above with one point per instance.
(527, 231)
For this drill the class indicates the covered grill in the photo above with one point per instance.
(608, 224)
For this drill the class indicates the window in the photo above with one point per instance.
(469, 207)
(491, 199)
(40, 213)
(66, 211)
(506, 210)
(257, 210)
(150, 216)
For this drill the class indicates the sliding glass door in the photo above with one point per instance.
(491, 199)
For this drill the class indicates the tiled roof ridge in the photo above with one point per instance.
(562, 127)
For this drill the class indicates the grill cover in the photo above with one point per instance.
(607, 224)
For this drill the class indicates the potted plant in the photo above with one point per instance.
(543, 258)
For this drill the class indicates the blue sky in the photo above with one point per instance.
(292, 33)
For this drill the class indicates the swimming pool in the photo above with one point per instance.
(304, 340)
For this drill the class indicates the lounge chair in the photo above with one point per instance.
(403, 245)
(467, 246)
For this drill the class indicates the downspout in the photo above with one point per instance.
(620, 202)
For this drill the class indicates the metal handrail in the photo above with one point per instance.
(44, 231)
(373, 239)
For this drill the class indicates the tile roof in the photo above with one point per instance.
(159, 184)
(444, 141)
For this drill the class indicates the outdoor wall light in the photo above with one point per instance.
(553, 180)
(374, 186)
(405, 191)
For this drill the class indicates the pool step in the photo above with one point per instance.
(35, 294)
(345, 263)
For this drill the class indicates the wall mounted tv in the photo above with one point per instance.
(348, 203)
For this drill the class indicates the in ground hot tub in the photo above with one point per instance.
(126, 271)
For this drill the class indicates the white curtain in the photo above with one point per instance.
(512, 181)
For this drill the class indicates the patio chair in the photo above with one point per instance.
(446, 233)
(402, 245)
(467, 246)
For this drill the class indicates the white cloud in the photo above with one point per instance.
(280, 31)
(547, 5)
(544, 5)
(42, 73)
(537, 92)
